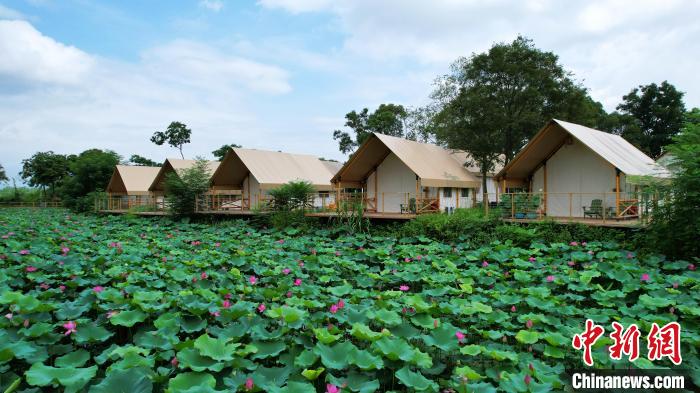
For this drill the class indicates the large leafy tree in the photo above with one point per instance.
(650, 115)
(676, 222)
(220, 153)
(389, 119)
(88, 172)
(522, 86)
(176, 135)
(138, 160)
(3, 175)
(186, 186)
(45, 169)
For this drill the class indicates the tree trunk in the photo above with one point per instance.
(484, 189)
(181, 155)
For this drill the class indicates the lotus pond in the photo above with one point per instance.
(117, 304)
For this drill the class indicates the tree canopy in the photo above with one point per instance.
(389, 119)
(220, 153)
(509, 92)
(3, 175)
(138, 160)
(88, 172)
(45, 169)
(650, 115)
(176, 135)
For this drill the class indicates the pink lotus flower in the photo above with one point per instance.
(44, 286)
(630, 255)
(216, 313)
(249, 384)
(110, 314)
(484, 264)
(26, 322)
(9, 315)
(528, 379)
(436, 323)
(334, 308)
(70, 327)
(65, 250)
(297, 282)
(24, 252)
(337, 253)
(360, 248)
(529, 323)
(341, 304)
(98, 289)
(217, 244)
(550, 278)
(313, 251)
(261, 307)
(407, 259)
(62, 288)
(584, 244)
(672, 310)
(252, 280)
(460, 336)
(573, 244)
(675, 285)
(203, 275)
(227, 304)
(164, 259)
(532, 259)
(419, 257)
(289, 293)
(645, 277)
(512, 309)
(31, 269)
(330, 388)
(571, 263)
(691, 267)
(174, 361)
(227, 296)
(281, 241)
(286, 270)
(403, 288)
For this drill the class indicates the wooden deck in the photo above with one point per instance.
(610, 223)
(137, 213)
(371, 215)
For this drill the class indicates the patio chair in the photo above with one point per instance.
(595, 210)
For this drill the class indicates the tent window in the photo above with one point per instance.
(447, 192)
(464, 192)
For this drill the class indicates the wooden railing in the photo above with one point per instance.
(391, 202)
(35, 205)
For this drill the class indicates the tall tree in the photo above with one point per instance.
(138, 160)
(3, 175)
(220, 153)
(176, 135)
(45, 169)
(89, 171)
(523, 87)
(652, 115)
(389, 119)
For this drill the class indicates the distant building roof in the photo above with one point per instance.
(434, 165)
(612, 148)
(132, 179)
(272, 169)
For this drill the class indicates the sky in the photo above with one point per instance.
(281, 74)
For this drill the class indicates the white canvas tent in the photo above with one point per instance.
(131, 180)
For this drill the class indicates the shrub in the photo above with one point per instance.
(185, 187)
(294, 195)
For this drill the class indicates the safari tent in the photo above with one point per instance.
(396, 175)
(253, 173)
(131, 180)
(175, 165)
(576, 171)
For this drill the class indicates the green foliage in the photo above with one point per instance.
(88, 174)
(145, 292)
(176, 135)
(294, 195)
(650, 115)
(387, 119)
(184, 187)
(45, 169)
(20, 194)
(220, 153)
(3, 175)
(138, 160)
(675, 226)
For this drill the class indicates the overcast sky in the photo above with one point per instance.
(281, 74)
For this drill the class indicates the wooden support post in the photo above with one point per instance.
(570, 204)
(249, 201)
(617, 192)
(458, 192)
(545, 187)
(376, 189)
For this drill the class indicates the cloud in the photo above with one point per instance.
(214, 5)
(31, 57)
(9, 13)
(298, 6)
(72, 100)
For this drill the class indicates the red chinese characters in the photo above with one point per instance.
(665, 342)
(586, 340)
(625, 343)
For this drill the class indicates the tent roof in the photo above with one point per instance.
(434, 165)
(272, 169)
(612, 148)
(176, 164)
(132, 179)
